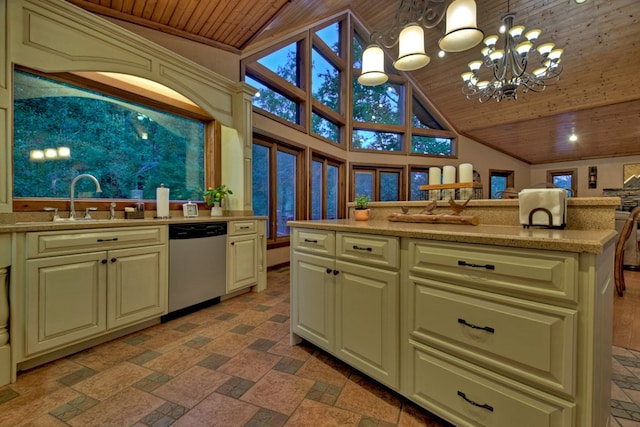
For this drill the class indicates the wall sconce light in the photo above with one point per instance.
(593, 176)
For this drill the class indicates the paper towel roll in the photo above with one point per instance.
(434, 179)
(448, 177)
(162, 202)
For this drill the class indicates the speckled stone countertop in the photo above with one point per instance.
(107, 223)
(588, 241)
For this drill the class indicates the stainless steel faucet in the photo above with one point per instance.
(72, 213)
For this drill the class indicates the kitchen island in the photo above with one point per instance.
(481, 325)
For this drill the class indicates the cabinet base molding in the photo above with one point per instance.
(49, 357)
(5, 365)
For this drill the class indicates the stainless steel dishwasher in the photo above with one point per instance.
(197, 266)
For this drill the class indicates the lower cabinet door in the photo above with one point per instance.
(242, 261)
(312, 299)
(65, 300)
(137, 285)
(466, 395)
(367, 320)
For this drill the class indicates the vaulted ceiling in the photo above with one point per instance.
(597, 95)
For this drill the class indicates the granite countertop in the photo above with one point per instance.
(588, 241)
(108, 223)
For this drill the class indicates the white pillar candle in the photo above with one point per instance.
(465, 174)
(434, 179)
(448, 177)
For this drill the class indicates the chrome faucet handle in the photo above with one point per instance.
(87, 215)
(56, 217)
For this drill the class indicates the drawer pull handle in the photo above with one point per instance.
(329, 271)
(336, 272)
(487, 266)
(360, 248)
(466, 399)
(472, 326)
(310, 241)
(115, 239)
(246, 227)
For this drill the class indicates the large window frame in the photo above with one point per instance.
(137, 95)
(376, 171)
(327, 161)
(274, 146)
(571, 173)
(507, 175)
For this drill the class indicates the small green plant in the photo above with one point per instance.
(362, 201)
(215, 195)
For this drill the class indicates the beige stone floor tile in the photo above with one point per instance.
(27, 408)
(226, 412)
(107, 355)
(300, 352)
(279, 392)
(45, 420)
(34, 378)
(111, 381)
(250, 364)
(271, 330)
(323, 368)
(177, 360)
(123, 409)
(228, 344)
(311, 413)
(366, 397)
(618, 394)
(192, 386)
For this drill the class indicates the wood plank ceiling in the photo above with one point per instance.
(597, 95)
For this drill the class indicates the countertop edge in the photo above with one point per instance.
(580, 241)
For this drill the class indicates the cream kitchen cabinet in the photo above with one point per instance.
(242, 254)
(502, 332)
(348, 308)
(82, 284)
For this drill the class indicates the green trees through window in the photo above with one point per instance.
(130, 148)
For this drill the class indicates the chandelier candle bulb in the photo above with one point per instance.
(448, 177)
(162, 202)
(434, 179)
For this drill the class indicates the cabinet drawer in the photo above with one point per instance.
(511, 270)
(369, 249)
(71, 241)
(242, 227)
(319, 242)
(527, 340)
(467, 396)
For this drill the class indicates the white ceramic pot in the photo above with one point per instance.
(216, 209)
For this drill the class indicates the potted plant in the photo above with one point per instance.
(361, 211)
(213, 197)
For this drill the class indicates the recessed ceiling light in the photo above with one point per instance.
(580, 1)
(573, 137)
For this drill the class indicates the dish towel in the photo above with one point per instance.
(543, 207)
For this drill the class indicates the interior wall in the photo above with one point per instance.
(609, 173)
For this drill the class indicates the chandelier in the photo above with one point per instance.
(461, 33)
(509, 64)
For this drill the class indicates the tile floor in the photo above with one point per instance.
(231, 365)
